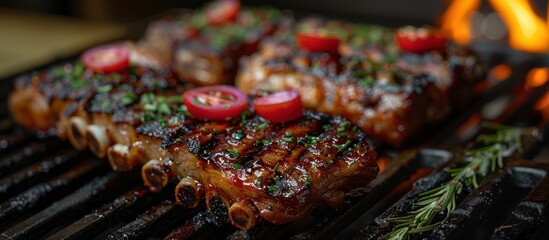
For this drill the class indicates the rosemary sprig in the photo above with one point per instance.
(442, 200)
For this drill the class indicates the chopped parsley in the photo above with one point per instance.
(244, 117)
(276, 166)
(343, 146)
(237, 165)
(272, 188)
(262, 126)
(288, 133)
(344, 125)
(266, 141)
(233, 152)
(288, 139)
(159, 106)
(104, 89)
(129, 98)
(367, 81)
(163, 108)
(308, 140)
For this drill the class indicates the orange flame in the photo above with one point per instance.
(500, 72)
(543, 106)
(455, 22)
(537, 77)
(527, 31)
(383, 162)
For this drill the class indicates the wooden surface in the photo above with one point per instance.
(28, 40)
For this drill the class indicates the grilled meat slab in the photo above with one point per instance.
(205, 54)
(390, 95)
(247, 169)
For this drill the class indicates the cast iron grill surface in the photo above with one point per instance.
(50, 191)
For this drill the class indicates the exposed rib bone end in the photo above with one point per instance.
(76, 132)
(156, 175)
(188, 192)
(243, 214)
(118, 157)
(98, 140)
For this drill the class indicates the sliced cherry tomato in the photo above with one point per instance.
(317, 43)
(280, 106)
(107, 58)
(216, 103)
(420, 40)
(222, 11)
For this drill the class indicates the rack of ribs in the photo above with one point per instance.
(390, 95)
(247, 169)
(207, 54)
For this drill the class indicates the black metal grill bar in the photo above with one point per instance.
(98, 220)
(28, 154)
(200, 223)
(11, 141)
(47, 191)
(145, 225)
(62, 211)
(400, 170)
(36, 172)
(380, 226)
(469, 213)
(532, 212)
(6, 125)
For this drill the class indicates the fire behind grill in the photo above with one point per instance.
(48, 190)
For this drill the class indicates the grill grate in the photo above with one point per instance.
(49, 190)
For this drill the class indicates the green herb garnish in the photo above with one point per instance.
(343, 146)
(104, 89)
(233, 152)
(343, 126)
(128, 99)
(288, 139)
(367, 81)
(272, 188)
(262, 126)
(483, 160)
(237, 165)
(308, 140)
(276, 166)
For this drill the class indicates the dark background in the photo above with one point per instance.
(391, 12)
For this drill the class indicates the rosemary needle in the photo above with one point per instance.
(442, 199)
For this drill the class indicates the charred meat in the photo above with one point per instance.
(391, 95)
(246, 168)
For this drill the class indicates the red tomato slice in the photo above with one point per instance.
(316, 43)
(222, 11)
(420, 40)
(280, 107)
(216, 103)
(107, 58)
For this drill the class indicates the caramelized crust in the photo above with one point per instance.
(247, 168)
